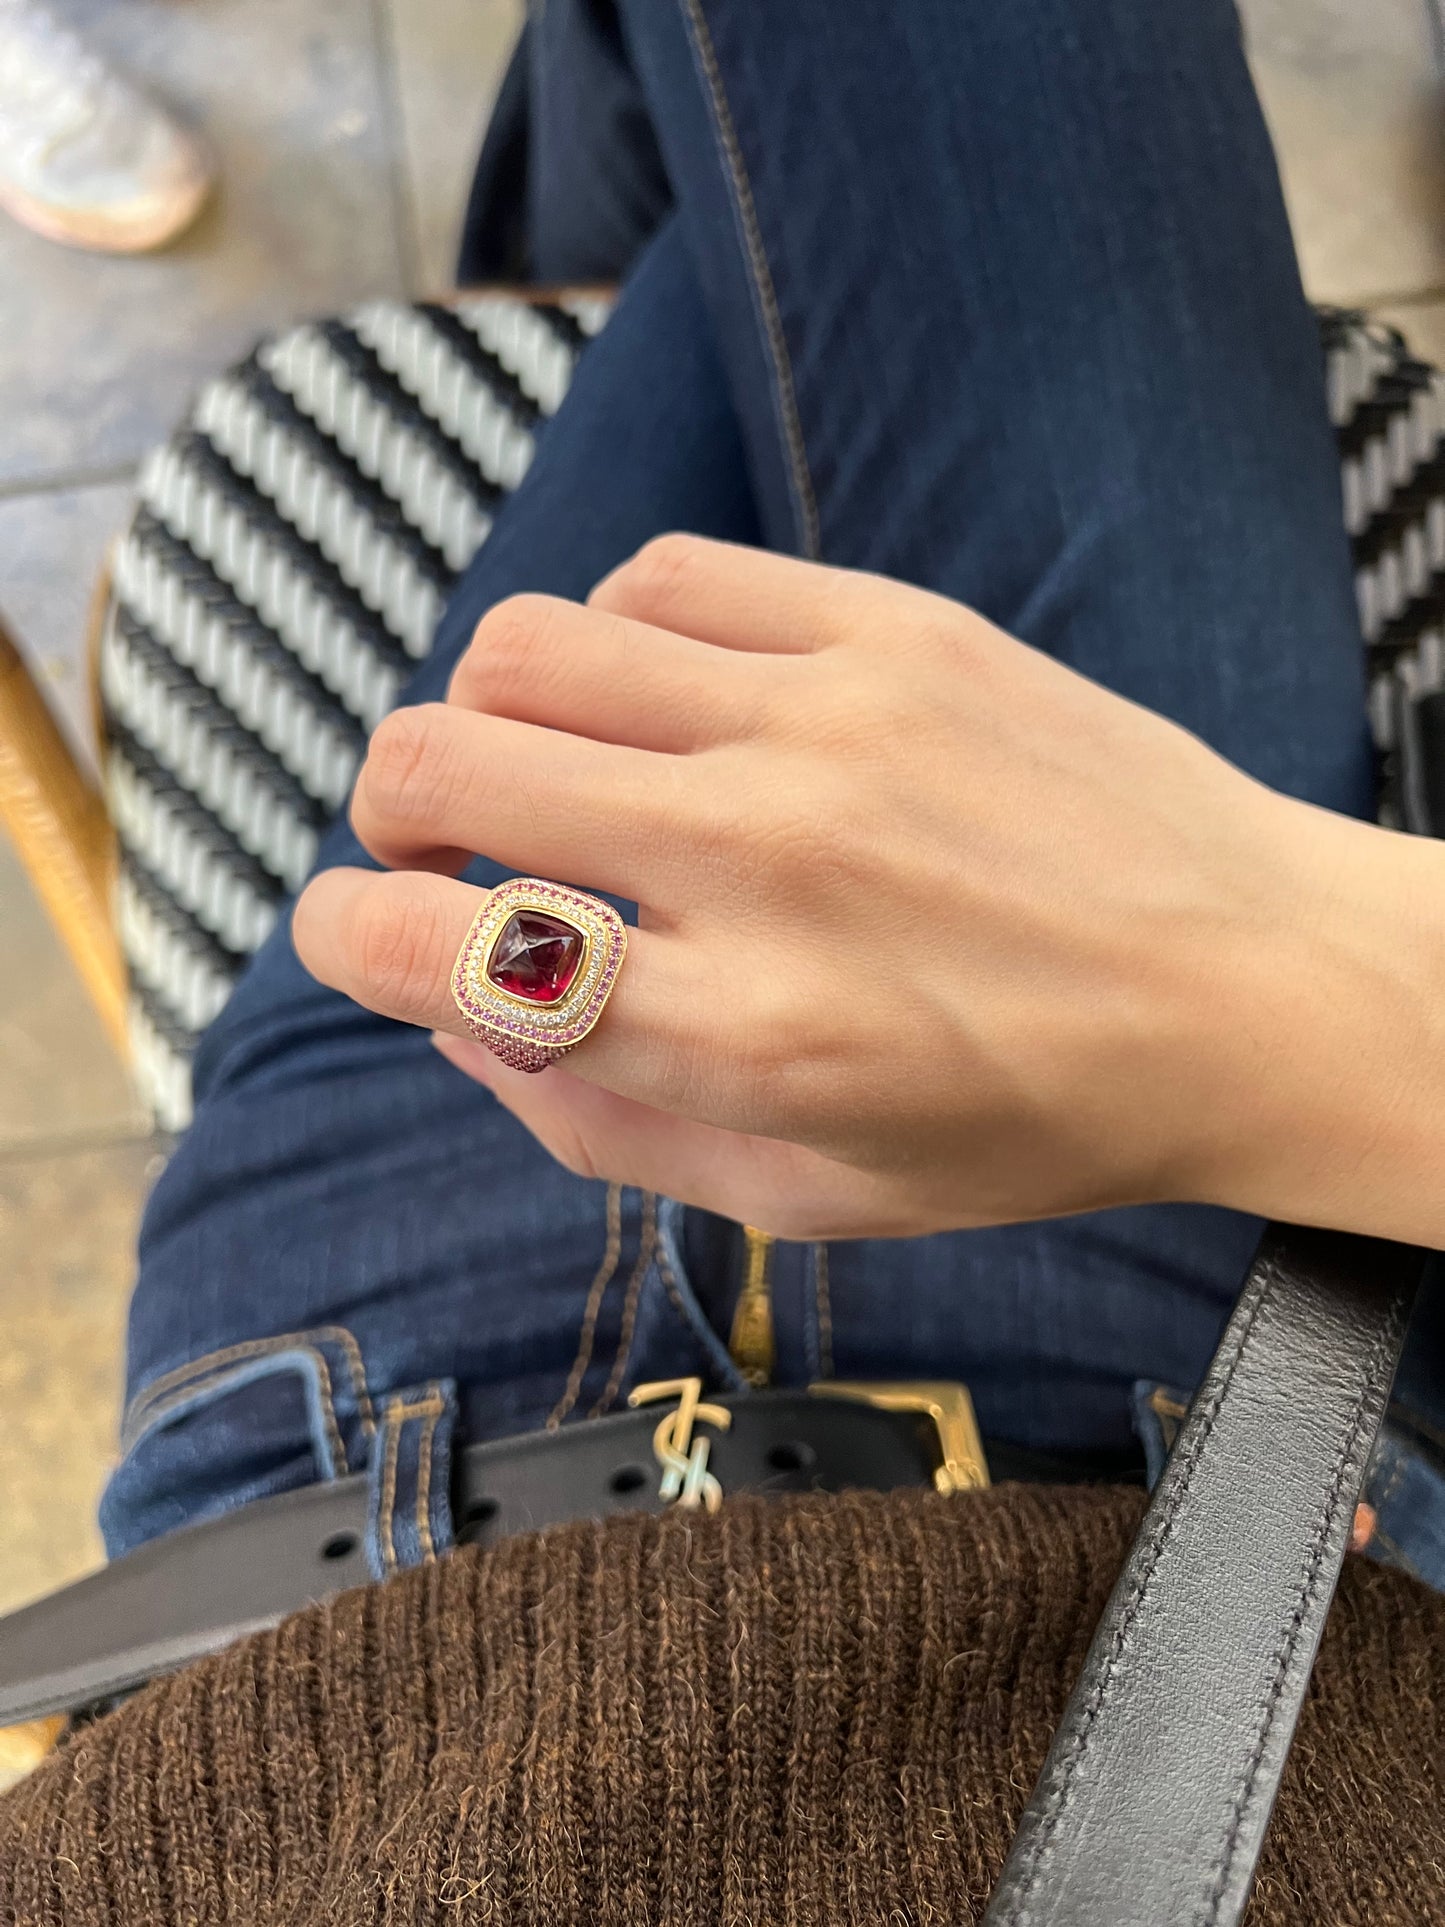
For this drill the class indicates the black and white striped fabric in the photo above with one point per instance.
(1388, 412)
(288, 559)
(294, 543)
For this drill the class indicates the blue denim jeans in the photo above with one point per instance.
(998, 300)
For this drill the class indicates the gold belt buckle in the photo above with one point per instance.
(962, 1466)
(682, 1452)
(686, 1481)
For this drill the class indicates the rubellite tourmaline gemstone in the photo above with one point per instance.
(535, 957)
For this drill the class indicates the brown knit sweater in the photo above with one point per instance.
(812, 1711)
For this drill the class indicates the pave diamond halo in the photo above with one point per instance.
(536, 968)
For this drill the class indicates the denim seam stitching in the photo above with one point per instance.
(669, 1279)
(1396, 1478)
(423, 1489)
(1398, 1554)
(671, 1284)
(805, 505)
(396, 1414)
(208, 1362)
(693, 1320)
(132, 1433)
(388, 1493)
(211, 1361)
(627, 1330)
(823, 1308)
(592, 1310)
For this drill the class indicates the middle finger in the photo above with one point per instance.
(441, 785)
(539, 659)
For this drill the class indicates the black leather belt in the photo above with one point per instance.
(205, 1586)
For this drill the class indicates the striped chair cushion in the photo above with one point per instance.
(293, 545)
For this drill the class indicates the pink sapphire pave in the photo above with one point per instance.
(536, 969)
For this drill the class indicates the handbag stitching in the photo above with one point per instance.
(1066, 1771)
(1302, 1613)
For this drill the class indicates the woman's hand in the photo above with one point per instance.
(934, 932)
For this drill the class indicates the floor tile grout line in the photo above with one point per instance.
(57, 481)
(60, 1144)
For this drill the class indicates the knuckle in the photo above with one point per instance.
(938, 634)
(400, 947)
(399, 752)
(508, 642)
(787, 830)
(784, 1067)
(660, 572)
(411, 773)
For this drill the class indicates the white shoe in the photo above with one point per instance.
(85, 157)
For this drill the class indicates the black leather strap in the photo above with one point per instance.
(1153, 1802)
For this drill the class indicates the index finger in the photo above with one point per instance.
(739, 598)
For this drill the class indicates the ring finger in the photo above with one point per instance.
(391, 941)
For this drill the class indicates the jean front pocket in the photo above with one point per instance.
(238, 1424)
(1405, 1491)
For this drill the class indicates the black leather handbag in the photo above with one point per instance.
(1153, 1803)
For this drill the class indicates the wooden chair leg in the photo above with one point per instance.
(22, 1748)
(59, 827)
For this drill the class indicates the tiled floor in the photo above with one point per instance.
(67, 1220)
(1354, 91)
(346, 130)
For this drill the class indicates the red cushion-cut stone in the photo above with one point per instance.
(535, 957)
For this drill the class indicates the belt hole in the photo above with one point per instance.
(792, 1455)
(628, 1478)
(481, 1512)
(340, 1545)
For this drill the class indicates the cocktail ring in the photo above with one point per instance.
(536, 970)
